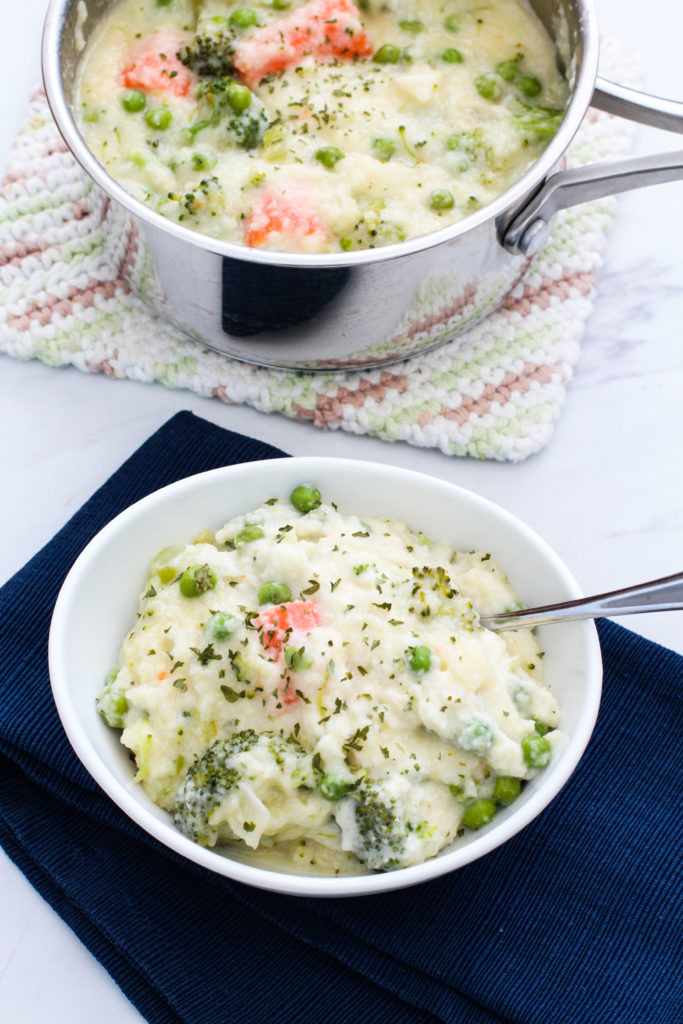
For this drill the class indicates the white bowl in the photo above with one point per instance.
(96, 608)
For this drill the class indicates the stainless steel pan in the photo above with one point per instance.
(369, 308)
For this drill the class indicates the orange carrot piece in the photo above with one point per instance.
(289, 215)
(278, 620)
(154, 66)
(287, 695)
(323, 29)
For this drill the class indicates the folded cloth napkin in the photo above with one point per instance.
(494, 393)
(576, 920)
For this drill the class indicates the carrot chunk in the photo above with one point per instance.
(279, 620)
(285, 219)
(154, 66)
(287, 695)
(323, 29)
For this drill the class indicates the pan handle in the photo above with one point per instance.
(529, 229)
(642, 107)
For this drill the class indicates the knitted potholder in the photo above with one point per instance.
(495, 392)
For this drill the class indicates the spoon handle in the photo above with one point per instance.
(663, 595)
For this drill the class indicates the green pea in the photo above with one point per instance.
(521, 698)
(461, 140)
(222, 625)
(204, 161)
(196, 580)
(506, 788)
(159, 118)
(478, 813)
(452, 56)
(247, 534)
(274, 593)
(419, 658)
(332, 787)
(536, 750)
(346, 244)
(329, 156)
(305, 498)
(387, 54)
(281, 5)
(541, 728)
(488, 87)
(441, 199)
(451, 23)
(243, 17)
(164, 3)
(508, 70)
(411, 26)
(528, 85)
(238, 96)
(476, 736)
(384, 148)
(133, 101)
(297, 658)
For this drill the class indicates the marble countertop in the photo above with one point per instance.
(607, 492)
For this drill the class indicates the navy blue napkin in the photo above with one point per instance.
(577, 920)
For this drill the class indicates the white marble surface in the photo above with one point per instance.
(607, 492)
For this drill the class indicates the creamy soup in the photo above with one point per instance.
(319, 126)
(317, 687)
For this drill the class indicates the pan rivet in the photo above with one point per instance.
(534, 237)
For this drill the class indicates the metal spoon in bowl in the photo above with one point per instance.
(663, 595)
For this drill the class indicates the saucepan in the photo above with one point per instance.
(373, 307)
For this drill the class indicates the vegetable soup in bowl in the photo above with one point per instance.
(288, 682)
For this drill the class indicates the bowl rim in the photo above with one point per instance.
(269, 878)
(585, 62)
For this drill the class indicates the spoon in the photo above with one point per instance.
(663, 595)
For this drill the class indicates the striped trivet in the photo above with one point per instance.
(495, 393)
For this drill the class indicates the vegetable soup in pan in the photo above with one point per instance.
(320, 126)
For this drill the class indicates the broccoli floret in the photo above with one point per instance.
(227, 103)
(207, 783)
(205, 195)
(248, 128)
(210, 53)
(373, 826)
(264, 769)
